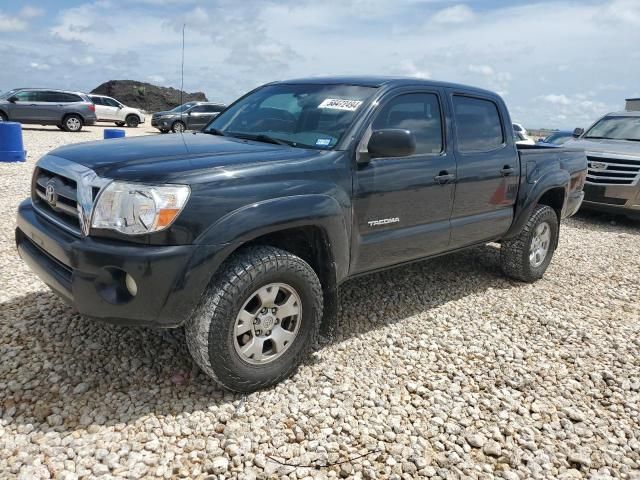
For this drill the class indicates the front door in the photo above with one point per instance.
(110, 109)
(402, 205)
(25, 107)
(488, 169)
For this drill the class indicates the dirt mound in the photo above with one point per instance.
(146, 96)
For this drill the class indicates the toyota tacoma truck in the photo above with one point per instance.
(243, 232)
(612, 145)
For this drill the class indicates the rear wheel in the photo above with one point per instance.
(178, 127)
(132, 121)
(72, 123)
(527, 256)
(257, 319)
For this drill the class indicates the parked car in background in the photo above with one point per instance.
(521, 139)
(109, 109)
(245, 235)
(557, 138)
(520, 129)
(39, 106)
(189, 116)
(613, 152)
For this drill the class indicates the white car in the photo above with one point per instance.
(522, 139)
(110, 110)
(520, 129)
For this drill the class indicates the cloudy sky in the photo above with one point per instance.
(557, 63)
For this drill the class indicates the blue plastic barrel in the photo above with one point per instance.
(11, 146)
(113, 133)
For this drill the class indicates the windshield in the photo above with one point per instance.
(558, 138)
(183, 107)
(5, 95)
(616, 128)
(300, 115)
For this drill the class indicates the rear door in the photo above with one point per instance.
(488, 168)
(401, 205)
(50, 105)
(200, 115)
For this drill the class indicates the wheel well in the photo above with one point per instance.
(66, 115)
(553, 198)
(132, 115)
(3, 114)
(311, 244)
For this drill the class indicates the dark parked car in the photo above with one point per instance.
(557, 138)
(243, 233)
(39, 106)
(189, 116)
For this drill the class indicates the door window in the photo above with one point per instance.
(97, 100)
(418, 113)
(110, 102)
(199, 109)
(27, 96)
(478, 124)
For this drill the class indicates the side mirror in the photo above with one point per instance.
(391, 142)
(12, 99)
(578, 132)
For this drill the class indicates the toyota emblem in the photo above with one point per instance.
(50, 193)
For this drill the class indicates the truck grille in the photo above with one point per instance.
(60, 204)
(613, 170)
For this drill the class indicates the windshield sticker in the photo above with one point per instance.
(323, 142)
(340, 104)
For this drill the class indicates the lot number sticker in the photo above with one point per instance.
(340, 104)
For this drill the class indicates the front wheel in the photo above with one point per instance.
(257, 319)
(178, 127)
(527, 256)
(132, 121)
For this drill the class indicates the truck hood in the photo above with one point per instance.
(619, 147)
(163, 156)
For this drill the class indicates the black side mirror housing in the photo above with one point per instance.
(391, 142)
(12, 99)
(578, 132)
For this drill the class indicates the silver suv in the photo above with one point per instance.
(613, 151)
(67, 110)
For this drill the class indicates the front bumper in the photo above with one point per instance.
(624, 199)
(89, 273)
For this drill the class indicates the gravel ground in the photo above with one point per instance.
(442, 369)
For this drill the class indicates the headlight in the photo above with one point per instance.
(135, 209)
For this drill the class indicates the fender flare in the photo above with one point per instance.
(532, 195)
(270, 216)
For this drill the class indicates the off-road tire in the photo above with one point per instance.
(132, 121)
(209, 332)
(178, 127)
(69, 125)
(514, 253)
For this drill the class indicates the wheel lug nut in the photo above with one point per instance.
(267, 333)
(264, 310)
(258, 332)
(256, 321)
(274, 310)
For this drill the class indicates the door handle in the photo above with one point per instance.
(507, 170)
(444, 177)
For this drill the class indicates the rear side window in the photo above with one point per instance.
(97, 100)
(478, 124)
(418, 113)
(64, 97)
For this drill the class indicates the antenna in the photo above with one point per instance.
(182, 71)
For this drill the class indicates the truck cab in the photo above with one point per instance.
(242, 233)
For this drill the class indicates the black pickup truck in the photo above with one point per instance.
(243, 232)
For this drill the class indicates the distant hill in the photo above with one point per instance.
(146, 96)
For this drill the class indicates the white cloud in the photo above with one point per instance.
(456, 14)
(31, 12)
(481, 69)
(408, 67)
(83, 61)
(557, 99)
(40, 66)
(11, 24)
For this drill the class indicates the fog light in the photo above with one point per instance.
(131, 284)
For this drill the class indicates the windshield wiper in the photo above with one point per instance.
(215, 131)
(261, 138)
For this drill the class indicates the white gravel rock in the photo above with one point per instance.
(441, 368)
